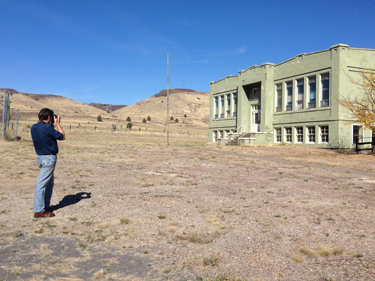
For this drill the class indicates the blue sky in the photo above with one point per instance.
(115, 52)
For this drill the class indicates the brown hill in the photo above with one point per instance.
(30, 104)
(190, 107)
(107, 107)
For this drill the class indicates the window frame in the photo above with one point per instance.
(324, 134)
(299, 134)
(279, 97)
(311, 135)
(324, 101)
(300, 86)
(310, 102)
(277, 135)
(289, 92)
(288, 135)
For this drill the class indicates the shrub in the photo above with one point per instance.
(99, 118)
(129, 126)
(128, 119)
(144, 120)
(176, 121)
(148, 118)
(172, 118)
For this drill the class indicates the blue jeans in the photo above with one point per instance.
(44, 185)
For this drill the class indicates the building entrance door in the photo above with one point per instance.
(255, 118)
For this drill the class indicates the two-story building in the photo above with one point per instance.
(294, 102)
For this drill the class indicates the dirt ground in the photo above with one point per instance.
(129, 207)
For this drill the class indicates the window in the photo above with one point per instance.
(278, 134)
(312, 92)
(289, 95)
(228, 105)
(325, 90)
(215, 136)
(299, 134)
(255, 93)
(324, 134)
(357, 134)
(300, 93)
(235, 105)
(311, 134)
(288, 134)
(279, 96)
(216, 107)
(222, 107)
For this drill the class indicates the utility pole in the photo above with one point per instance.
(4, 114)
(167, 98)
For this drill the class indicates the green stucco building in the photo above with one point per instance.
(293, 102)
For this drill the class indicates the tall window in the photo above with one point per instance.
(289, 95)
(255, 93)
(222, 107)
(278, 134)
(300, 93)
(311, 134)
(357, 134)
(312, 92)
(216, 107)
(279, 97)
(235, 105)
(324, 134)
(325, 90)
(299, 134)
(228, 105)
(288, 134)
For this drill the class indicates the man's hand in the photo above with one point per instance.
(58, 125)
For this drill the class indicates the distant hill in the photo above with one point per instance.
(190, 107)
(107, 107)
(164, 93)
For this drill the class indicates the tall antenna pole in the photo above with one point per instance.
(4, 116)
(167, 98)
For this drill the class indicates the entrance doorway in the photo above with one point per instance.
(255, 118)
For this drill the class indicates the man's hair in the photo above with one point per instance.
(44, 113)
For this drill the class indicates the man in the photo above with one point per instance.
(45, 139)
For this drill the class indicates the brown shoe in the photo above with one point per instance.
(44, 215)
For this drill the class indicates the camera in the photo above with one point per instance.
(53, 119)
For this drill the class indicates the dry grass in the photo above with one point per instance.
(136, 209)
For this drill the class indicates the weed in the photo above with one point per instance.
(101, 273)
(211, 261)
(307, 251)
(161, 217)
(298, 258)
(124, 221)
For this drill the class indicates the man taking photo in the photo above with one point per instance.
(45, 138)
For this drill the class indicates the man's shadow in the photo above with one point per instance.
(72, 199)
